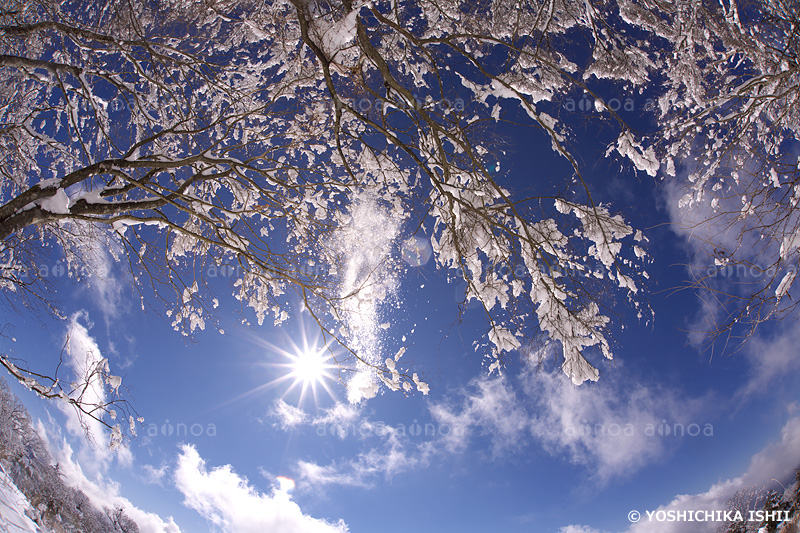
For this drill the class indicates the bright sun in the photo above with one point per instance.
(310, 367)
(303, 364)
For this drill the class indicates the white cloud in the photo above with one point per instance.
(153, 475)
(776, 461)
(84, 356)
(96, 252)
(85, 359)
(612, 427)
(102, 492)
(771, 357)
(393, 455)
(390, 450)
(288, 416)
(702, 232)
(230, 503)
(341, 414)
(106, 287)
(317, 476)
(341, 420)
(733, 257)
(489, 407)
(578, 529)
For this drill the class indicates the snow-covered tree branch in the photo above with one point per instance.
(265, 137)
(729, 117)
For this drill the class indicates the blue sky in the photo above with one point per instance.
(224, 446)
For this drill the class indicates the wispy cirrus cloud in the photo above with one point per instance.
(287, 416)
(385, 450)
(613, 428)
(488, 407)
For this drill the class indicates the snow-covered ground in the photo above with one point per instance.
(12, 508)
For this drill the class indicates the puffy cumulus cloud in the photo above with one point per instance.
(777, 460)
(101, 491)
(230, 503)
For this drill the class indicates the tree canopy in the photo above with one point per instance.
(271, 138)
